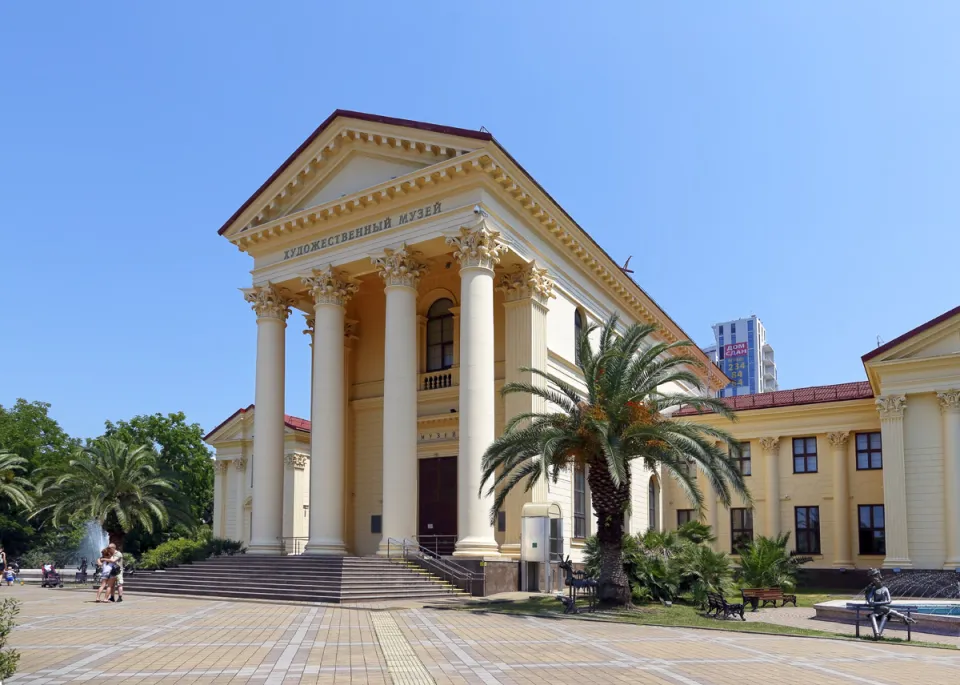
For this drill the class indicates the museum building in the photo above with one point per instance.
(429, 267)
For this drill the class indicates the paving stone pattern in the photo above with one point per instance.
(65, 637)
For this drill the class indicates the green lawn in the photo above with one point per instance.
(678, 615)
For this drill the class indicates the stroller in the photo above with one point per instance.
(50, 577)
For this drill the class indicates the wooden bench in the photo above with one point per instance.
(762, 596)
(864, 610)
(716, 604)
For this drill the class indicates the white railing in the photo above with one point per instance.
(435, 380)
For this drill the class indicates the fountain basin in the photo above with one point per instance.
(938, 616)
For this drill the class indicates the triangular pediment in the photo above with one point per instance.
(354, 173)
(939, 337)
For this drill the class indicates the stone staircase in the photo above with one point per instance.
(296, 578)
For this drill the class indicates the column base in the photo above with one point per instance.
(510, 550)
(951, 565)
(329, 548)
(265, 549)
(890, 562)
(477, 548)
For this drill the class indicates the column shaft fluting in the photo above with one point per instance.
(271, 307)
(401, 272)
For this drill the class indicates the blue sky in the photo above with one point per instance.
(794, 160)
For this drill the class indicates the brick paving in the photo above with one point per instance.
(64, 637)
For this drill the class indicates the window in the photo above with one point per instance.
(721, 329)
(733, 330)
(440, 335)
(501, 521)
(741, 528)
(685, 516)
(579, 502)
(873, 535)
(376, 523)
(808, 529)
(742, 454)
(869, 452)
(577, 332)
(804, 455)
(652, 497)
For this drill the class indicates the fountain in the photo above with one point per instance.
(95, 538)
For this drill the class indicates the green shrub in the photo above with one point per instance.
(185, 550)
(702, 571)
(220, 546)
(9, 658)
(765, 562)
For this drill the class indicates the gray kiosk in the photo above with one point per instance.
(541, 546)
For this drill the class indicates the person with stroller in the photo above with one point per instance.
(107, 578)
(116, 558)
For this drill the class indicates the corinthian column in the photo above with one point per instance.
(220, 497)
(527, 291)
(239, 497)
(891, 408)
(272, 308)
(771, 464)
(478, 249)
(841, 500)
(401, 271)
(330, 292)
(950, 411)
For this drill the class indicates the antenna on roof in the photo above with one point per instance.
(879, 341)
(625, 266)
(483, 129)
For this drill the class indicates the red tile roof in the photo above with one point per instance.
(294, 422)
(909, 334)
(790, 398)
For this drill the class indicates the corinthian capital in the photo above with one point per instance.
(268, 301)
(839, 438)
(949, 400)
(891, 406)
(240, 464)
(296, 460)
(311, 325)
(477, 245)
(329, 287)
(400, 267)
(769, 444)
(529, 281)
(220, 467)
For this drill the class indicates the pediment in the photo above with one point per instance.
(356, 172)
(937, 338)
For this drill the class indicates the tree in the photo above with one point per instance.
(13, 486)
(765, 562)
(111, 482)
(621, 417)
(184, 459)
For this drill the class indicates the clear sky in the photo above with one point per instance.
(794, 160)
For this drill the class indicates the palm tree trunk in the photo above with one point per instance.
(610, 504)
(117, 537)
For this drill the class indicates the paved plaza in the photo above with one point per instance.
(65, 637)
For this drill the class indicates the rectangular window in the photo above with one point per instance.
(808, 529)
(873, 534)
(685, 516)
(741, 528)
(721, 329)
(733, 330)
(579, 502)
(742, 454)
(804, 455)
(501, 521)
(869, 451)
(376, 523)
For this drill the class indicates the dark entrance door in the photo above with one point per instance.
(437, 507)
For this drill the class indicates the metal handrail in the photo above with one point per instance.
(433, 543)
(450, 570)
(292, 545)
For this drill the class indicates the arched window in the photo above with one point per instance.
(577, 331)
(652, 504)
(440, 335)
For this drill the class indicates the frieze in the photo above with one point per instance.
(383, 224)
(437, 435)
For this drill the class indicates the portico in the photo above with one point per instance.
(430, 268)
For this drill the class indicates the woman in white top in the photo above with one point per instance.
(107, 579)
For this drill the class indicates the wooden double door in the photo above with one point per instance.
(437, 504)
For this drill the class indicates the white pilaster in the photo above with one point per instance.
(842, 556)
(219, 497)
(401, 271)
(272, 308)
(771, 463)
(891, 408)
(478, 249)
(240, 496)
(527, 290)
(330, 292)
(950, 413)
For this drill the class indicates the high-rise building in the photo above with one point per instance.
(741, 350)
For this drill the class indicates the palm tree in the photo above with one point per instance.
(621, 417)
(13, 486)
(111, 482)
